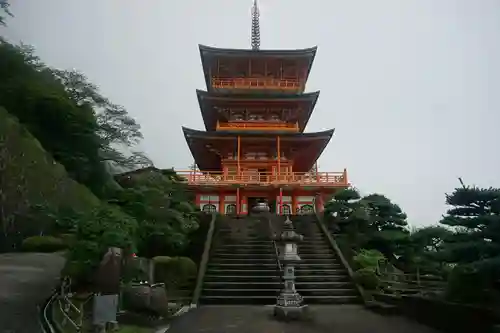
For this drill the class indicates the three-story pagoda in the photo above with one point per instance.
(254, 147)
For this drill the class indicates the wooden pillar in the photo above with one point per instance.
(294, 203)
(281, 202)
(197, 200)
(278, 151)
(238, 201)
(222, 205)
(238, 158)
(320, 206)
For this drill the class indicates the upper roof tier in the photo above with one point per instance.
(275, 109)
(241, 70)
(208, 148)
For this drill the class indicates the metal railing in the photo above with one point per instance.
(72, 314)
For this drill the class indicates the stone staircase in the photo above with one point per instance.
(321, 277)
(242, 268)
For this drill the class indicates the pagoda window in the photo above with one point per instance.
(274, 117)
(209, 208)
(231, 209)
(238, 116)
(286, 209)
(307, 209)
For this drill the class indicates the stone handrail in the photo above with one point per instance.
(273, 234)
(333, 244)
(204, 261)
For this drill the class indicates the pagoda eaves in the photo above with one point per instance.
(206, 147)
(209, 102)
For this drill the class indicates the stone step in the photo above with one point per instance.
(208, 291)
(240, 292)
(230, 292)
(238, 300)
(241, 278)
(243, 242)
(254, 260)
(244, 255)
(277, 285)
(245, 272)
(326, 277)
(246, 245)
(270, 300)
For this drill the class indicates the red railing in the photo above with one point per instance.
(330, 179)
(256, 83)
(257, 125)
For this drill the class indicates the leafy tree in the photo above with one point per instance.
(117, 130)
(103, 227)
(384, 215)
(474, 246)
(4, 7)
(67, 131)
(424, 250)
(161, 207)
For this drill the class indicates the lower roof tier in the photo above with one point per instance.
(208, 148)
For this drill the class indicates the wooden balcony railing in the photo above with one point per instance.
(257, 126)
(257, 83)
(329, 179)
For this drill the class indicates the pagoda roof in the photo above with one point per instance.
(309, 145)
(211, 52)
(249, 53)
(207, 99)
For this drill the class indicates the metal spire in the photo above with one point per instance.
(255, 26)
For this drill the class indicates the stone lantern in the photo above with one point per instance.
(289, 305)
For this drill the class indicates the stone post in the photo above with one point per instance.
(289, 304)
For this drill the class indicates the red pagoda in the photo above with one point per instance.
(254, 148)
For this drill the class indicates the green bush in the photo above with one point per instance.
(175, 272)
(368, 259)
(43, 244)
(367, 278)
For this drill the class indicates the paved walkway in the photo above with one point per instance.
(26, 280)
(258, 319)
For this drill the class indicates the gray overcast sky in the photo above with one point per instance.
(408, 84)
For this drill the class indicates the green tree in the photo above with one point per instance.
(424, 250)
(118, 131)
(162, 208)
(474, 246)
(67, 131)
(387, 228)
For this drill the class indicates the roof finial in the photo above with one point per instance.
(255, 26)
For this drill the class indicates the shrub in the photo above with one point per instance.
(175, 272)
(368, 259)
(43, 244)
(367, 278)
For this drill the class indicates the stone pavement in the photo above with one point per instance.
(258, 319)
(26, 280)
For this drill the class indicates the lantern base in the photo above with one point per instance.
(291, 312)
